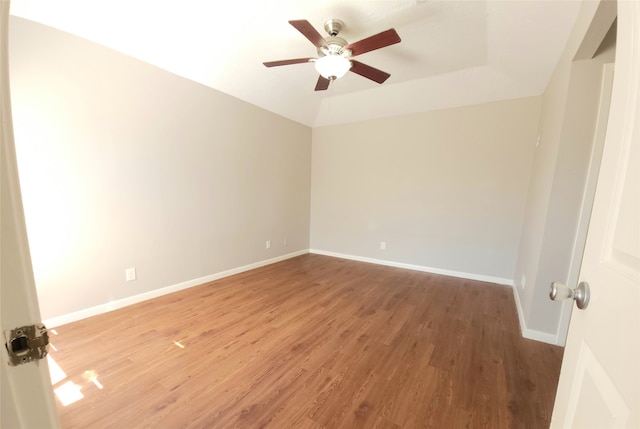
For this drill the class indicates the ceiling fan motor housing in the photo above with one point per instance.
(335, 46)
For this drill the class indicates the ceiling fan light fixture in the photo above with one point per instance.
(335, 53)
(332, 67)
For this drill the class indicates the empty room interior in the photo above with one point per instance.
(223, 237)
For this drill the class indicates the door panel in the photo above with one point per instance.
(598, 403)
(600, 377)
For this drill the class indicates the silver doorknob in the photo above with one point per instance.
(581, 294)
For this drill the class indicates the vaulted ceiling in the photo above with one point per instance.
(452, 53)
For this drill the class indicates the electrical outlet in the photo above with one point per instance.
(523, 280)
(267, 244)
(285, 242)
(130, 274)
(383, 245)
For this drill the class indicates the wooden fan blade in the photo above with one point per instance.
(377, 41)
(322, 84)
(307, 30)
(286, 62)
(369, 72)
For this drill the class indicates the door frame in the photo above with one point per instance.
(599, 134)
(27, 399)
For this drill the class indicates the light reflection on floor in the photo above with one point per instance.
(92, 377)
(68, 392)
(57, 374)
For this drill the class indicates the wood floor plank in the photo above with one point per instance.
(311, 342)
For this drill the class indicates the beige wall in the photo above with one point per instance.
(444, 189)
(561, 163)
(125, 165)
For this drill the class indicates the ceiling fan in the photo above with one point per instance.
(335, 54)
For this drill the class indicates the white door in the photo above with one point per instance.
(600, 378)
(27, 399)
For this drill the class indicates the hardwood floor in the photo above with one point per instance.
(311, 342)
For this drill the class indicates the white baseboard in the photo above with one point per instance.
(459, 274)
(124, 302)
(532, 334)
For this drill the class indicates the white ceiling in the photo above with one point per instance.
(452, 53)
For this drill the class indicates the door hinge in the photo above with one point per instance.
(26, 344)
